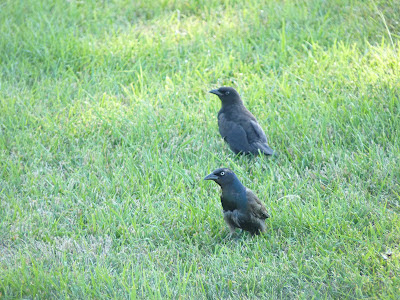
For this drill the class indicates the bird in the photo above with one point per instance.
(237, 125)
(241, 207)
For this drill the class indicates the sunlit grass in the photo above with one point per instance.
(107, 129)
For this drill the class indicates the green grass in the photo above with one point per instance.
(107, 129)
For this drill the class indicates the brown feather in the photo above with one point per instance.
(255, 206)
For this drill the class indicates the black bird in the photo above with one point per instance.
(241, 207)
(237, 126)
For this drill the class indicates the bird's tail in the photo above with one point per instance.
(265, 149)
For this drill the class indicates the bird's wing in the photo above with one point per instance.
(257, 138)
(234, 134)
(256, 134)
(255, 206)
(243, 135)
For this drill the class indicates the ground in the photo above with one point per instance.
(107, 129)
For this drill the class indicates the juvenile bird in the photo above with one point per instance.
(237, 126)
(241, 207)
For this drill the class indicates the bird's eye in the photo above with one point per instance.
(227, 93)
(222, 173)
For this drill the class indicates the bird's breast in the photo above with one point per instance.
(232, 200)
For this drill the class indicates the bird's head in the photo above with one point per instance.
(222, 176)
(227, 95)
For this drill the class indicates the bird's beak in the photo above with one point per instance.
(216, 92)
(211, 177)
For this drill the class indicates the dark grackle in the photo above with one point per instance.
(237, 126)
(241, 207)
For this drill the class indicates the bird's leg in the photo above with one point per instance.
(229, 222)
(231, 231)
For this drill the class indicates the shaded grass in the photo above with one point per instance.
(106, 132)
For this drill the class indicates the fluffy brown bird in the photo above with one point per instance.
(241, 207)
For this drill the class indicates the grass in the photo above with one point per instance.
(106, 131)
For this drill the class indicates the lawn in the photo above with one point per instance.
(107, 130)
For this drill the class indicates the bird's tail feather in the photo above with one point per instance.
(265, 149)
